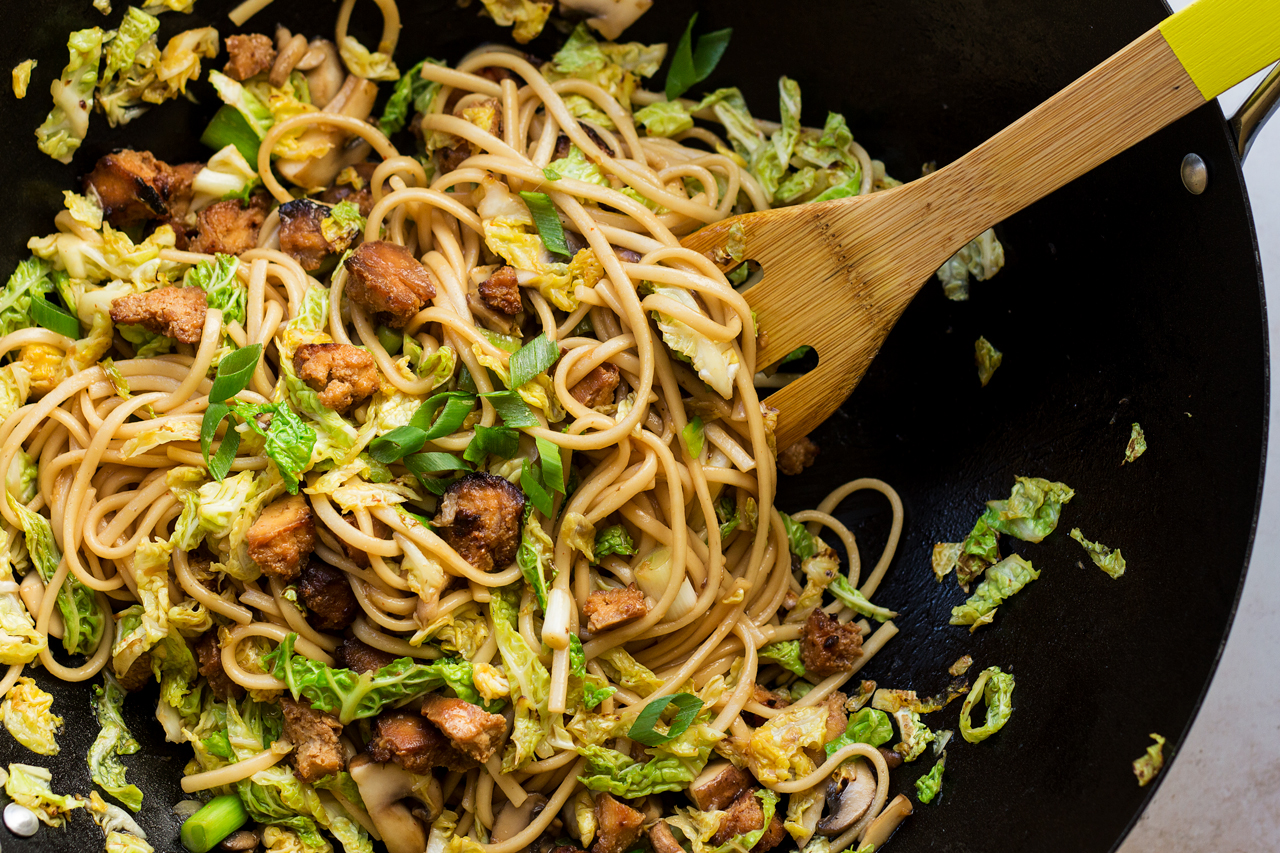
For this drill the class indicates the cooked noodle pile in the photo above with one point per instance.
(123, 482)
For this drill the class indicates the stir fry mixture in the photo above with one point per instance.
(404, 447)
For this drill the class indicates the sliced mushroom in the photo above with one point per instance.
(849, 795)
(240, 840)
(355, 100)
(663, 841)
(887, 821)
(609, 17)
(383, 787)
(718, 785)
(514, 819)
(324, 71)
(806, 823)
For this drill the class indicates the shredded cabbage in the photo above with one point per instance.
(27, 715)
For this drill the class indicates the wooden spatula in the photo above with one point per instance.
(838, 274)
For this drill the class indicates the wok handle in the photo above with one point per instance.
(1221, 42)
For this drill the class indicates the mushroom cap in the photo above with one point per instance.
(512, 819)
(383, 787)
(849, 795)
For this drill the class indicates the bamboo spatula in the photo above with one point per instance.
(838, 274)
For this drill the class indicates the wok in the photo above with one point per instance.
(1125, 299)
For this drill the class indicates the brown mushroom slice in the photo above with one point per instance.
(242, 839)
(513, 819)
(324, 72)
(849, 794)
(383, 787)
(718, 785)
(354, 100)
(887, 821)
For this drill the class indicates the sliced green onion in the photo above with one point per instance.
(220, 464)
(691, 65)
(424, 426)
(228, 127)
(534, 490)
(551, 174)
(499, 441)
(217, 819)
(694, 436)
(547, 221)
(515, 412)
(643, 731)
(531, 359)
(552, 464)
(53, 318)
(234, 373)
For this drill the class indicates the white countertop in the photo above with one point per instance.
(1222, 791)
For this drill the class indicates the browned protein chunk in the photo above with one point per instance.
(607, 609)
(798, 456)
(826, 646)
(746, 815)
(501, 291)
(314, 735)
(282, 537)
(354, 554)
(131, 186)
(249, 55)
(138, 675)
(181, 192)
(341, 374)
(837, 717)
(597, 387)
(301, 237)
(361, 657)
(177, 312)
(387, 281)
(618, 825)
(361, 197)
(409, 740)
(470, 728)
(209, 657)
(331, 605)
(228, 227)
(480, 519)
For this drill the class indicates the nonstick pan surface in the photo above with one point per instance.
(1124, 299)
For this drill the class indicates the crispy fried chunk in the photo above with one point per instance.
(798, 456)
(501, 291)
(597, 387)
(209, 659)
(301, 237)
(249, 55)
(470, 728)
(131, 186)
(314, 735)
(411, 741)
(387, 281)
(341, 374)
(618, 825)
(480, 519)
(607, 609)
(358, 656)
(228, 227)
(282, 537)
(178, 312)
(826, 646)
(745, 815)
(331, 605)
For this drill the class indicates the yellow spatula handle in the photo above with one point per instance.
(1221, 42)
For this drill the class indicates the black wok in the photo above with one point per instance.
(1125, 299)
